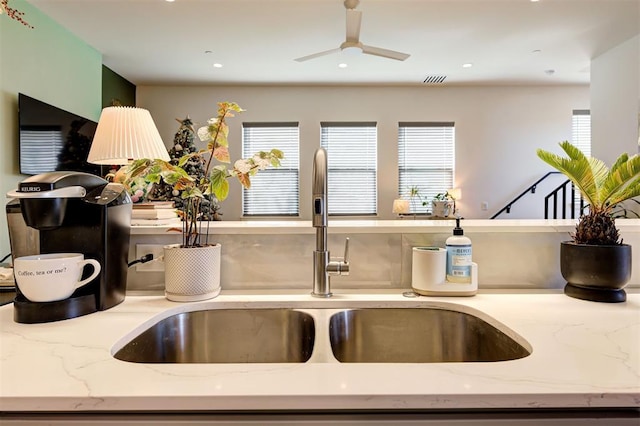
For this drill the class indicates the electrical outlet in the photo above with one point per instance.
(484, 206)
(155, 265)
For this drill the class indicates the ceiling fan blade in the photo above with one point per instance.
(317, 55)
(354, 19)
(385, 53)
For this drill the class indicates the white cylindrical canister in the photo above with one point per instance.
(428, 269)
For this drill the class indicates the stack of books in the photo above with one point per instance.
(154, 213)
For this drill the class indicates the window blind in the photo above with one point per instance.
(581, 130)
(426, 155)
(352, 167)
(39, 149)
(581, 138)
(274, 191)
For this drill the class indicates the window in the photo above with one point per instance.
(39, 149)
(274, 191)
(425, 160)
(581, 130)
(581, 137)
(352, 167)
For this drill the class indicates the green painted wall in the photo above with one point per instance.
(116, 87)
(50, 64)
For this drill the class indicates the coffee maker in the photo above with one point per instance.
(71, 212)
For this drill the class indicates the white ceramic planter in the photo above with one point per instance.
(441, 208)
(191, 273)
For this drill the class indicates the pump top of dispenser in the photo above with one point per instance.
(458, 230)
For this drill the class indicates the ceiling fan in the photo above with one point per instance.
(352, 42)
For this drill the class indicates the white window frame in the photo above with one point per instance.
(581, 138)
(426, 160)
(352, 163)
(581, 130)
(274, 191)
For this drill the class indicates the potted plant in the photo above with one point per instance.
(596, 264)
(414, 197)
(442, 205)
(192, 268)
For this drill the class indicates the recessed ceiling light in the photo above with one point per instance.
(208, 51)
(342, 65)
(170, 1)
(536, 51)
(216, 65)
(550, 72)
(467, 65)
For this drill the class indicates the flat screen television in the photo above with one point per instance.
(52, 139)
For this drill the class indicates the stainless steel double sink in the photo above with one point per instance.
(288, 335)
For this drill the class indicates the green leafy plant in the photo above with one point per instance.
(620, 211)
(601, 187)
(443, 196)
(217, 172)
(414, 194)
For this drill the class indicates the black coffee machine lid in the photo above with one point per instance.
(57, 185)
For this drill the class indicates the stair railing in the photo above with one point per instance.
(531, 189)
(553, 195)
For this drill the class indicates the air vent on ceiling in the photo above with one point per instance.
(435, 79)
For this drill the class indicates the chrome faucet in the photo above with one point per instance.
(323, 267)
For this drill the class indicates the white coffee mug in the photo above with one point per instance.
(51, 277)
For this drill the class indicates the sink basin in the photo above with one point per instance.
(427, 334)
(419, 335)
(225, 336)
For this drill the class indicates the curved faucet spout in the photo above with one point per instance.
(322, 265)
(319, 207)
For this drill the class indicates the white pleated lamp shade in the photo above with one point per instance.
(455, 193)
(125, 134)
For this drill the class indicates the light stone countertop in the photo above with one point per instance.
(407, 225)
(585, 354)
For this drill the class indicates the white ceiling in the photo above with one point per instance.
(157, 42)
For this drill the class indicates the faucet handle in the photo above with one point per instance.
(340, 266)
(346, 251)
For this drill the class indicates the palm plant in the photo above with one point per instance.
(601, 187)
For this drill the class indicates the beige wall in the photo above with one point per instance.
(615, 100)
(498, 129)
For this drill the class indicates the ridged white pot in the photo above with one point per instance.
(441, 208)
(191, 273)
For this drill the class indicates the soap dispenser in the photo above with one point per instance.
(461, 272)
(458, 256)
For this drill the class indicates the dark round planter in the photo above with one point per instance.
(596, 273)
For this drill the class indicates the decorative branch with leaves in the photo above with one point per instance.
(215, 180)
(13, 13)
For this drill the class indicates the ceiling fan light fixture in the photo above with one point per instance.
(352, 50)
